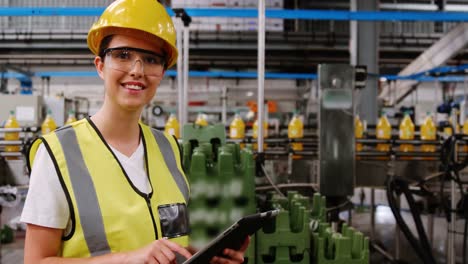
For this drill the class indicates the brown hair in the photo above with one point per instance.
(104, 45)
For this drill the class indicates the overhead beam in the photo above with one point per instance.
(252, 13)
(439, 53)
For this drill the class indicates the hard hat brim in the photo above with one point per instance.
(95, 37)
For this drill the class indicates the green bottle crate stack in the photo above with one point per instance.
(300, 234)
(348, 247)
(222, 181)
(288, 239)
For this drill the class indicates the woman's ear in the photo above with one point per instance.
(99, 64)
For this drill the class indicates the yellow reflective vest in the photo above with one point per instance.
(108, 213)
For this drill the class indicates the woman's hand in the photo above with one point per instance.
(42, 245)
(232, 256)
(158, 252)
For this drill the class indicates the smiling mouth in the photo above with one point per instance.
(134, 87)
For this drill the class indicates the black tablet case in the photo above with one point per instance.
(232, 237)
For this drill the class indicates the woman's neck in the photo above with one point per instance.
(120, 129)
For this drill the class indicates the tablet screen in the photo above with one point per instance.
(233, 237)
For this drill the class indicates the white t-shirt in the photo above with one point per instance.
(46, 204)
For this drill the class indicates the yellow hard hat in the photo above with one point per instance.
(145, 18)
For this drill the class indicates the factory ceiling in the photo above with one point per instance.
(299, 47)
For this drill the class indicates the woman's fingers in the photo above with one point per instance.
(245, 245)
(174, 247)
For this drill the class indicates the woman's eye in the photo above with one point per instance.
(152, 60)
(123, 55)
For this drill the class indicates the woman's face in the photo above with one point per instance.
(129, 85)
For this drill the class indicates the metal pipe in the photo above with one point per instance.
(42, 86)
(397, 154)
(301, 14)
(47, 85)
(377, 158)
(398, 141)
(186, 40)
(288, 185)
(261, 73)
(180, 83)
(436, 100)
(11, 154)
(453, 216)
(308, 141)
(372, 213)
(350, 217)
(397, 233)
(463, 109)
(382, 252)
(21, 129)
(285, 152)
(224, 105)
(10, 142)
(5, 130)
(451, 233)
(430, 228)
(353, 31)
(296, 21)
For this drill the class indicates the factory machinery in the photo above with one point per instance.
(23, 118)
(230, 178)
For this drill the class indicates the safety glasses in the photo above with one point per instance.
(125, 58)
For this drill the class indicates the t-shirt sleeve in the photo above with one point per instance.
(45, 203)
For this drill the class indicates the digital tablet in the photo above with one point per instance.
(233, 237)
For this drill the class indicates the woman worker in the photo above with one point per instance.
(109, 189)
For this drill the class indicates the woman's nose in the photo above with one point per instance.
(137, 68)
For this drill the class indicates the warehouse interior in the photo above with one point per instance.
(351, 117)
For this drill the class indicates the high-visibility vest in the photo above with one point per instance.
(108, 213)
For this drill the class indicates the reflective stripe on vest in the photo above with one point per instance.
(169, 158)
(68, 143)
(87, 202)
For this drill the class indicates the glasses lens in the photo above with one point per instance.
(125, 59)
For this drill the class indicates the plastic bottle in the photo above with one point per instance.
(237, 127)
(49, 124)
(10, 136)
(71, 117)
(201, 120)
(172, 126)
(451, 125)
(383, 131)
(447, 130)
(428, 132)
(358, 131)
(465, 132)
(296, 130)
(255, 133)
(406, 132)
(465, 127)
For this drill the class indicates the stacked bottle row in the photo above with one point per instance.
(428, 132)
(237, 128)
(47, 126)
(12, 136)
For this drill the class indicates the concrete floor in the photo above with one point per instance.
(384, 233)
(12, 253)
